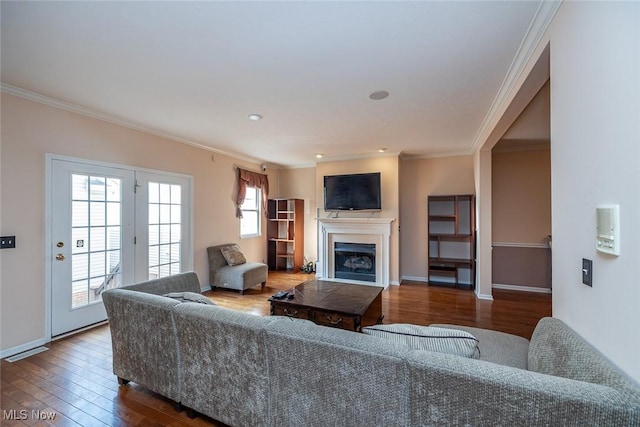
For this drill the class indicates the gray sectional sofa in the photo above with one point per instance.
(245, 370)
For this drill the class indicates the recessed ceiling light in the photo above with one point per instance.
(254, 116)
(319, 156)
(381, 150)
(378, 95)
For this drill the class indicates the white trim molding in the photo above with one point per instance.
(521, 288)
(415, 279)
(22, 348)
(541, 21)
(520, 245)
(486, 297)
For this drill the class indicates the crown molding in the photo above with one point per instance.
(438, 155)
(539, 25)
(359, 157)
(109, 118)
(299, 166)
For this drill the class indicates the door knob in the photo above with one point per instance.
(60, 257)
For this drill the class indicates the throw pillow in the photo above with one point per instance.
(416, 337)
(233, 255)
(189, 297)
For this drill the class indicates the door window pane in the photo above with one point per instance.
(96, 237)
(165, 205)
(97, 189)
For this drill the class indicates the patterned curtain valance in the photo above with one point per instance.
(251, 179)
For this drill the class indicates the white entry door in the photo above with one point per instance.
(111, 226)
(92, 240)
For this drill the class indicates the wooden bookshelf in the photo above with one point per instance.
(285, 234)
(451, 225)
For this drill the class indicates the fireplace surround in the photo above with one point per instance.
(362, 231)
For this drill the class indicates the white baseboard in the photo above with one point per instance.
(521, 288)
(486, 297)
(416, 279)
(77, 331)
(22, 348)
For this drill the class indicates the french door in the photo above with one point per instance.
(111, 226)
(162, 225)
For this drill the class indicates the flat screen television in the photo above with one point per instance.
(354, 192)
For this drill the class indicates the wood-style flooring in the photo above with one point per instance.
(74, 383)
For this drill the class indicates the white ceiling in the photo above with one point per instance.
(193, 71)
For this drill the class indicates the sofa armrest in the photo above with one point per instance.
(452, 390)
(558, 350)
(144, 340)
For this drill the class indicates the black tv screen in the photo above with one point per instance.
(352, 192)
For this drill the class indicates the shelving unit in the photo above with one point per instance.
(285, 234)
(451, 228)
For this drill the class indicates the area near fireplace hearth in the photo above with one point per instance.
(354, 249)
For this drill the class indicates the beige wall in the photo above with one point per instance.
(595, 152)
(595, 104)
(521, 218)
(29, 130)
(389, 175)
(301, 184)
(521, 196)
(420, 178)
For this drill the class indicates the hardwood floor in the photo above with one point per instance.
(73, 380)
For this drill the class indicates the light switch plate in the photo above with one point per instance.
(587, 272)
(7, 242)
(608, 229)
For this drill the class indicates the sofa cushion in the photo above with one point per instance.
(497, 347)
(189, 297)
(233, 255)
(181, 282)
(416, 337)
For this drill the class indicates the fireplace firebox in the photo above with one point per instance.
(355, 261)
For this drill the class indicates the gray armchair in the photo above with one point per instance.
(239, 277)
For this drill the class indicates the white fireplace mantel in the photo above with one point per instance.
(354, 230)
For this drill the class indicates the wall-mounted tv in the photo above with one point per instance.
(354, 192)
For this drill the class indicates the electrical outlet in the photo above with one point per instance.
(587, 272)
(7, 242)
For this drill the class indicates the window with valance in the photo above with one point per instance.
(246, 179)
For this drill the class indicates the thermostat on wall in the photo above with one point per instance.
(608, 229)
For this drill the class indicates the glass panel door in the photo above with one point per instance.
(110, 226)
(163, 220)
(92, 240)
(165, 229)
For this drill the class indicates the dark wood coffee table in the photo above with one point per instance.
(335, 304)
